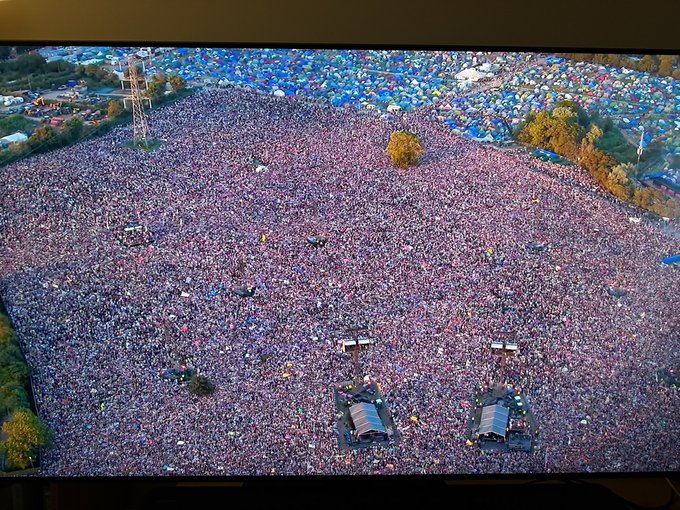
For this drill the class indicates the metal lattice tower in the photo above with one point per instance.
(137, 98)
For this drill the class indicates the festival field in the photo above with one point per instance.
(434, 259)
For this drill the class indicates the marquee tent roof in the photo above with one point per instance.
(17, 137)
(471, 74)
(365, 418)
(494, 420)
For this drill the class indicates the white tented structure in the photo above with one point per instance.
(494, 422)
(471, 74)
(11, 100)
(367, 423)
(17, 137)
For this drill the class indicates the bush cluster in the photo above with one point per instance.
(404, 149)
(22, 433)
(663, 65)
(599, 147)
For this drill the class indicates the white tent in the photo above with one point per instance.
(393, 108)
(471, 75)
(14, 138)
(279, 93)
(367, 422)
(10, 100)
(486, 139)
(494, 420)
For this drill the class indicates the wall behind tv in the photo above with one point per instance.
(569, 23)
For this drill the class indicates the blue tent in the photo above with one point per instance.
(674, 259)
(543, 152)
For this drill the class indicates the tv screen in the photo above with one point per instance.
(272, 261)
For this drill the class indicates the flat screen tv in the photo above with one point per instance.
(242, 262)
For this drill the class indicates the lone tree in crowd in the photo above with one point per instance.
(23, 435)
(405, 149)
(200, 385)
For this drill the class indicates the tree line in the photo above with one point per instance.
(31, 71)
(46, 137)
(663, 65)
(7, 51)
(22, 433)
(598, 146)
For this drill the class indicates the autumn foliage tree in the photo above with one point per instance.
(654, 200)
(22, 436)
(597, 162)
(114, 109)
(593, 143)
(177, 82)
(45, 137)
(648, 64)
(557, 131)
(619, 181)
(666, 64)
(405, 149)
(21, 432)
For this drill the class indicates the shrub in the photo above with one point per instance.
(200, 385)
(114, 109)
(23, 435)
(618, 182)
(655, 201)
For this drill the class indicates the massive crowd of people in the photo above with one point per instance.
(433, 259)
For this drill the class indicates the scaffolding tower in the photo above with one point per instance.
(139, 86)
